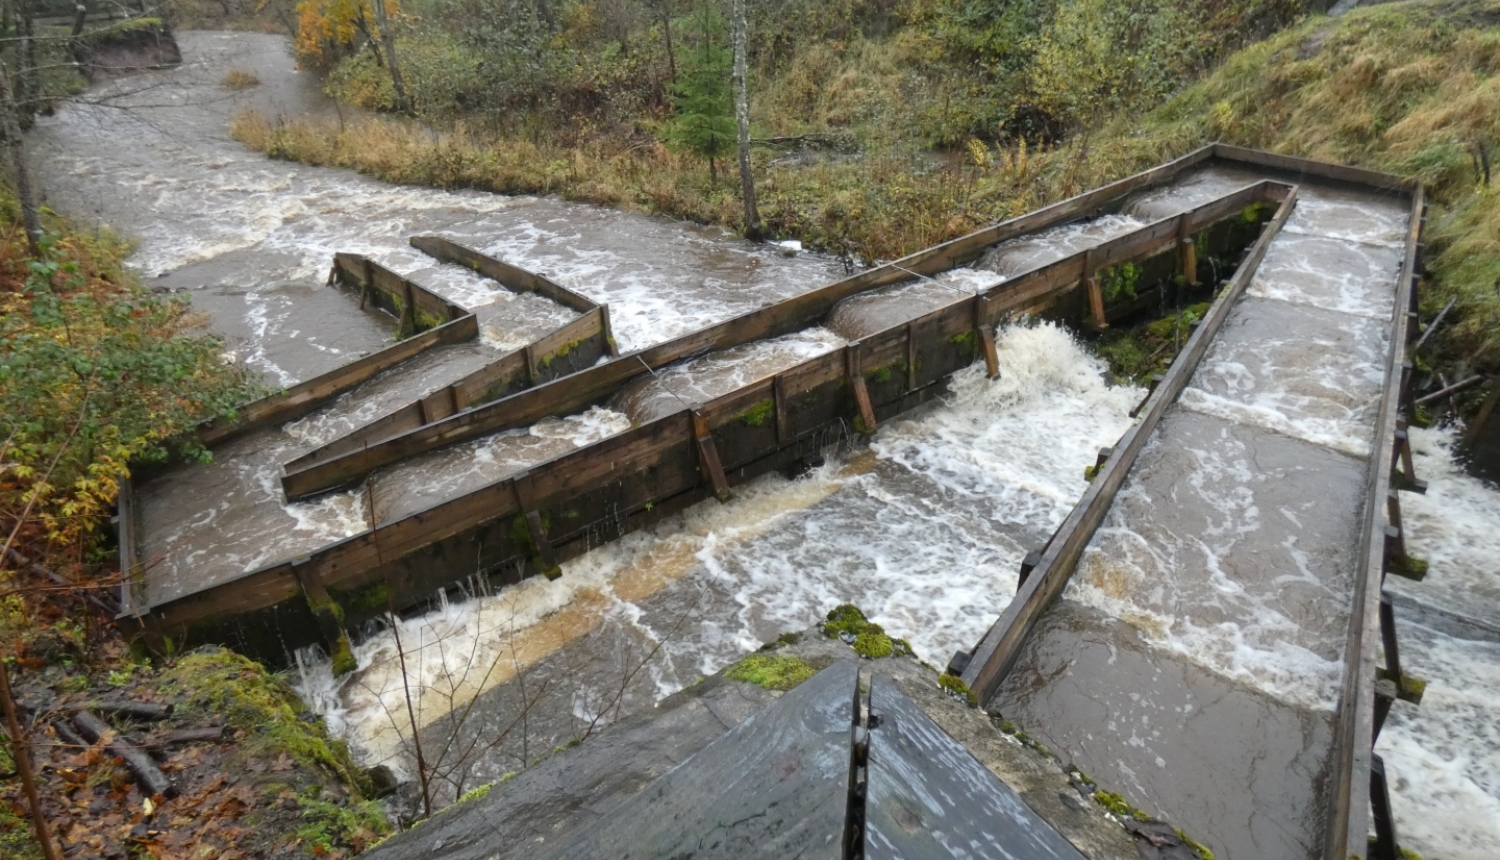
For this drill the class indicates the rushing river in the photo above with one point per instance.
(924, 528)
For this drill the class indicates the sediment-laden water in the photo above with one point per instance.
(924, 528)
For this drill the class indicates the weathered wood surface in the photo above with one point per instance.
(927, 798)
(305, 397)
(775, 786)
(510, 277)
(598, 493)
(997, 651)
(1355, 729)
(574, 346)
(415, 307)
(353, 461)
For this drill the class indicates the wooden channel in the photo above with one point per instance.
(1355, 729)
(997, 651)
(515, 279)
(596, 494)
(330, 468)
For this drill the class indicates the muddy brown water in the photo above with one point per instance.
(924, 530)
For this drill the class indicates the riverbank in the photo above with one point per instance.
(1408, 87)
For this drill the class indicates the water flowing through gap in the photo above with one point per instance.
(925, 530)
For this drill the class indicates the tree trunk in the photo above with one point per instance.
(666, 27)
(21, 753)
(544, 12)
(10, 126)
(742, 116)
(30, 74)
(388, 40)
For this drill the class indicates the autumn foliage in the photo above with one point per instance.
(329, 30)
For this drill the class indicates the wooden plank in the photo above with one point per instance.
(513, 278)
(783, 431)
(928, 798)
(997, 651)
(776, 785)
(1355, 728)
(1306, 167)
(305, 397)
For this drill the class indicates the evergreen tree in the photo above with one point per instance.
(702, 102)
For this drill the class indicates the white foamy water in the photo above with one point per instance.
(1455, 527)
(1332, 274)
(692, 383)
(1024, 253)
(1222, 548)
(925, 531)
(1443, 757)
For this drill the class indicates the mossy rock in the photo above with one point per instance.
(873, 645)
(955, 686)
(774, 672)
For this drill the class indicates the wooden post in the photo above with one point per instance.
(532, 374)
(1189, 249)
(861, 391)
(367, 286)
(408, 324)
(1028, 564)
(326, 614)
(546, 557)
(1385, 696)
(1406, 477)
(911, 356)
(1156, 379)
(1384, 846)
(1407, 688)
(783, 429)
(708, 458)
(609, 332)
(1096, 293)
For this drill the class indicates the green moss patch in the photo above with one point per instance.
(757, 414)
(955, 686)
(774, 672)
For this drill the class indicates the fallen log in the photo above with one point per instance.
(183, 736)
(128, 709)
(146, 772)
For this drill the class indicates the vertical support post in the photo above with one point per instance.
(1188, 248)
(1388, 639)
(1384, 847)
(1397, 542)
(546, 556)
(326, 614)
(1028, 564)
(1385, 696)
(986, 339)
(783, 420)
(609, 332)
(453, 406)
(367, 288)
(532, 374)
(1406, 477)
(408, 324)
(1095, 292)
(708, 458)
(911, 356)
(861, 392)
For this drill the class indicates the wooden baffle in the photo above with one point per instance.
(595, 494)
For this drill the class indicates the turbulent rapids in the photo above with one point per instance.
(925, 524)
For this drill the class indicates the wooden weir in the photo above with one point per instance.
(561, 508)
(1358, 777)
(566, 506)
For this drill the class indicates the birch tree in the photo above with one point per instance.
(742, 117)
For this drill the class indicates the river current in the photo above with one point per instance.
(924, 528)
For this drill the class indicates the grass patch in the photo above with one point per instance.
(774, 672)
(239, 79)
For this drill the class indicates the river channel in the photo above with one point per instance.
(924, 528)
